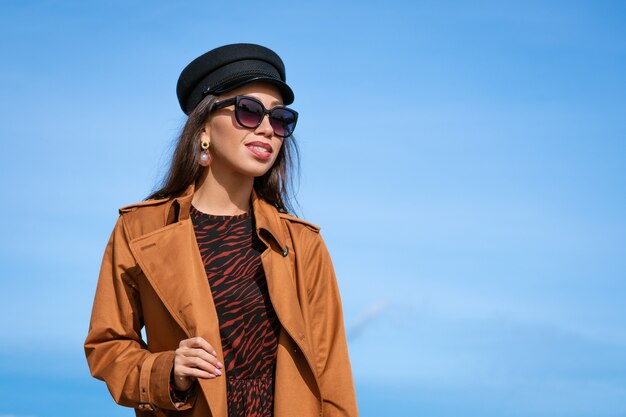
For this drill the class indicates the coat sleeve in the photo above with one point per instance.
(331, 348)
(114, 348)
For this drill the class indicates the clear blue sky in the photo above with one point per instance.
(464, 159)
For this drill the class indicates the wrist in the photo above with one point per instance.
(177, 394)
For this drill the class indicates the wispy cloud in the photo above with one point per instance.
(369, 315)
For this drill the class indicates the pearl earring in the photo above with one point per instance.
(205, 157)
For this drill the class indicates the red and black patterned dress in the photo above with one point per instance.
(249, 327)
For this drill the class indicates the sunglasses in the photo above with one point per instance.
(250, 112)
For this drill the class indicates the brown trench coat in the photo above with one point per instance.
(152, 275)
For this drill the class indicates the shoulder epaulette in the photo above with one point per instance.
(293, 218)
(150, 202)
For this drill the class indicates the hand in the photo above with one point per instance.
(195, 358)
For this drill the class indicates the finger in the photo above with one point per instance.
(192, 341)
(201, 353)
(199, 342)
(187, 367)
(186, 352)
(191, 372)
(183, 362)
(198, 373)
(196, 362)
(202, 343)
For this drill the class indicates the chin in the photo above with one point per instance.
(257, 169)
(260, 173)
(254, 172)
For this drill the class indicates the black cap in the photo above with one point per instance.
(228, 67)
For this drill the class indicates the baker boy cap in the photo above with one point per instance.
(228, 67)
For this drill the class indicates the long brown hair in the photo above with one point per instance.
(275, 186)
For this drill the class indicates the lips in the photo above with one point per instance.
(265, 146)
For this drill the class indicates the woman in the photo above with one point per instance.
(238, 298)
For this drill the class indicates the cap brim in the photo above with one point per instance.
(285, 90)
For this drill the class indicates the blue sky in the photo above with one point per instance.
(465, 160)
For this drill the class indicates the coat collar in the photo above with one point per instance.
(265, 215)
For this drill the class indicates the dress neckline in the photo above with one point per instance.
(220, 217)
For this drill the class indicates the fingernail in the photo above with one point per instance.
(214, 353)
(211, 375)
(217, 371)
(219, 364)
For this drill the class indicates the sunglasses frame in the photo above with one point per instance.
(235, 100)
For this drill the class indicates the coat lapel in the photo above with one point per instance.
(172, 264)
(280, 275)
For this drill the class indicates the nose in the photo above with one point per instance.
(265, 128)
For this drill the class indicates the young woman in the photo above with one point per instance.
(238, 297)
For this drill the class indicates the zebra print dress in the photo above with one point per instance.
(249, 327)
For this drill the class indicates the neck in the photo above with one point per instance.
(222, 194)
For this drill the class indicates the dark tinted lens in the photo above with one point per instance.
(283, 121)
(249, 112)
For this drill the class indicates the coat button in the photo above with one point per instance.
(286, 251)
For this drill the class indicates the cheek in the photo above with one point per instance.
(277, 147)
(222, 126)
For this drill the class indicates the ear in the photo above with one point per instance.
(206, 132)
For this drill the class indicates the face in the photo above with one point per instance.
(232, 145)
